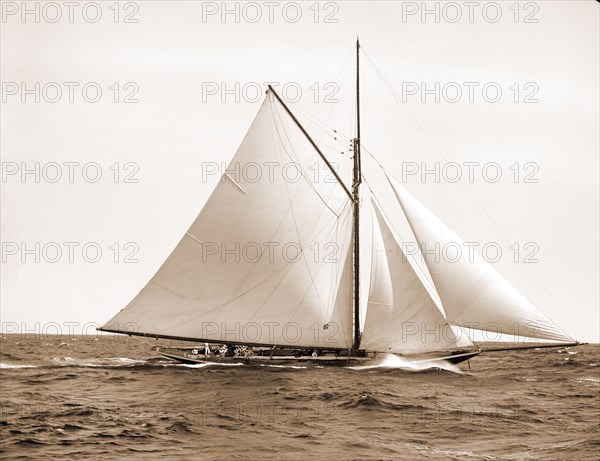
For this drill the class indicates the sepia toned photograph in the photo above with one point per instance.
(291, 230)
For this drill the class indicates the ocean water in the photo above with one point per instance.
(113, 398)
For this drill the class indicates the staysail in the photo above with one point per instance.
(473, 293)
(401, 315)
(266, 261)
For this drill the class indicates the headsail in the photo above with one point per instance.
(473, 293)
(266, 260)
(401, 316)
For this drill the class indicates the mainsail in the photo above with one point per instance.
(401, 315)
(473, 293)
(266, 261)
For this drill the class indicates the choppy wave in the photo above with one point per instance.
(117, 399)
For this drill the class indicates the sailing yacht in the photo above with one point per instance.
(274, 269)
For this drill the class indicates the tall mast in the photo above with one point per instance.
(356, 180)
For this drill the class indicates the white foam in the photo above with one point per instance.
(206, 364)
(394, 361)
(282, 366)
(99, 362)
(11, 365)
(124, 359)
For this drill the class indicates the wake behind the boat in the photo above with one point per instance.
(99, 362)
(9, 366)
(75, 362)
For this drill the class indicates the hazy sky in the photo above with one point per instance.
(179, 56)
